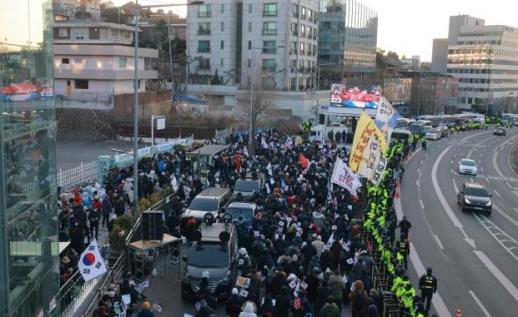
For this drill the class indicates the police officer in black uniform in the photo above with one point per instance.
(428, 287)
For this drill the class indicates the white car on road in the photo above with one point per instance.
(467, 166)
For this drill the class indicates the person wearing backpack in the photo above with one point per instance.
(359, 299)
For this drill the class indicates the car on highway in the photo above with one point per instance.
(473, 196)
(499, 131)
(468, 167)
(213, 256)
(433, 134)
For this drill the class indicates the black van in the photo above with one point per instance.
(214, 258)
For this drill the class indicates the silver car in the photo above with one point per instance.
(467, 166)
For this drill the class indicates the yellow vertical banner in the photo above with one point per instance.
(368, 151)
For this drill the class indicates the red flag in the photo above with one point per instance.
(303, 161)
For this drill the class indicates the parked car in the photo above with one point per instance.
(467, 166)
(247, 188)
(241, 212)
(474, 196)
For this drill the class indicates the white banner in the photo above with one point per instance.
(344, 177)
(91, 264)
(386, 118)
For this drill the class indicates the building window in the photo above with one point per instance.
(222, 10)
(295, 9)
(222, 26)
(78, 61)
(269, 65)
(303, 13)
(94, 34)
(250, 8)
(81, 83)
(203, 46)
(204, 64)
(302, 30)
(302, 48)
(270, 9)
(63, 32)
(269, 28)
(65, 61)
(269, 47)
(249, 26)
(222, 62)
(204, 11)
(295, 29)
(249, 45)
(204, 28)
(249, 63)
(222, 45)
(123, 62)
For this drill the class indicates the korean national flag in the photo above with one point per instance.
(91, 264)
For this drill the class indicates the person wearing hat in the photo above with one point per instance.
(234, 304)
(428, 287)
(146, 310)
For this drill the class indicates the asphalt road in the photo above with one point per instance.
(474, 256)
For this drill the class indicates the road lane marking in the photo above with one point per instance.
(515, 209)
(438, 303)
(496, 193)
(479, 303)
(495, 165)
(498, 274)
(421, 203)
(506, 216)
(515, 192)
(482, 169)
(455, 185)
(499, 235)
(417, 183)
(451, 162)
(438, 241)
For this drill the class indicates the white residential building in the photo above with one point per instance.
(94, 61)
(274, 43)
(485, 59)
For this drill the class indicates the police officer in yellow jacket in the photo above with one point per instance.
(428, 287)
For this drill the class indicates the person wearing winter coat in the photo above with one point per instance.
(233, 304)
(330, 309)
(372, 311)
(267, 308)
(248, 309)
(336, 285)
(359, 299)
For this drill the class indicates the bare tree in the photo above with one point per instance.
(255, 101)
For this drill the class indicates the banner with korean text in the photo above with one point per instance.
(386, 118)
(367, 157)
(344, 177)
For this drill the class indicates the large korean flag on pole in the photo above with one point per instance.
(91, 264)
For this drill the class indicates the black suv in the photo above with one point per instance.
(213, 256)
(474, 196)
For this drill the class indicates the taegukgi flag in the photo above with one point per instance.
(91, 264)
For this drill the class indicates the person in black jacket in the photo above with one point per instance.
(233, 304)
(428, 287)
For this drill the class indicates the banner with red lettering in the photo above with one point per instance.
(344, 177)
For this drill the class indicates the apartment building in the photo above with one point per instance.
(485, 60)
(239, 38)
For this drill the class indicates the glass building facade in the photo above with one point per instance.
(347, 40)
(28, 211)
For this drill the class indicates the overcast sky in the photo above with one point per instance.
(408, 26)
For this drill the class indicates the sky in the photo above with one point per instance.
(408, 27)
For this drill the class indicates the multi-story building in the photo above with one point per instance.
(411, 63)
(239, 38)
(440, 55)
(485, 60)
(94, 61)
(347, 41)
(271, 45)
(28, 208)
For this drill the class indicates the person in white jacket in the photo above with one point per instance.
(248, 310)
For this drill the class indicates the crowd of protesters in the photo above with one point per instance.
(308, 251)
